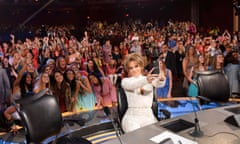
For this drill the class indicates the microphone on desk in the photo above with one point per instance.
(196, 132)
(203, 100)
(108, 113)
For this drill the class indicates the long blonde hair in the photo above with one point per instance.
(164, 67)
(39, 85)
(194, 56)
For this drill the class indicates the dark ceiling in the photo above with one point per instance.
(33, 12)
(18, 11)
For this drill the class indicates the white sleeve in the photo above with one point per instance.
(133, 83)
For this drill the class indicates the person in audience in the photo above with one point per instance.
(42, 83)
(5, 89)
(97, 59)
(104, 90)
(139, 92)
(62, 91)
(111, 70)
(165, 74)
(107, 51)
(189, 61)
(169, 59)
(61, 64)
(179, 54)
(232, 70)
(11, 72)
(116, 55)
(218, 62)
(49, 70)
(69, 76)
(30, 69)
(24, 83)
(86, 98)
(73, 56)
(200, 66)
(92, 68)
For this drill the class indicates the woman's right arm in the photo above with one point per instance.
(134, 83)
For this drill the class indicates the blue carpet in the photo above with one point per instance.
(183, 107)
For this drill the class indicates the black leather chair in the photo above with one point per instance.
(213, 86)
(122, 102)
(41, 118)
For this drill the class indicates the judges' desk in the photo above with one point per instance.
(211, 121)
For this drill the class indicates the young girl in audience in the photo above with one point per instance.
(85, 98)
(111, 70)
(42, 83)
(92, 68)
(23, 85)
(200, 66)
(69, 76)
(218, 62)
(165, 74)
(104, 90)
(62, 91)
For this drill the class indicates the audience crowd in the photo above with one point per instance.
(83, 71)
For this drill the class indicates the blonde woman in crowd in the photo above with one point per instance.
(189, 61)
(200, 66)
(42, 83)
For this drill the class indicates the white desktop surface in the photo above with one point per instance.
(211, 121)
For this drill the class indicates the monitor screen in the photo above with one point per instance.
(178, 125)
(235, 110)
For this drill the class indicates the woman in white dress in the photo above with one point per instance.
(139, 92)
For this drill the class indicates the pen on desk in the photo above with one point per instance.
(179, 141)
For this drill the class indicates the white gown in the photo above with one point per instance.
(139, 112)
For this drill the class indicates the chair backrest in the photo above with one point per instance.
(41, 118)
(213, 85)
(122, 102)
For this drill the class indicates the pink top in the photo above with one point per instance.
(110, 70)
(108, 94)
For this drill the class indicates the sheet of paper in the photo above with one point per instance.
(177, 139)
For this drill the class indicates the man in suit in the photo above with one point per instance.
(169, 58)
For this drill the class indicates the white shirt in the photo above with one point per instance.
(139, 112)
